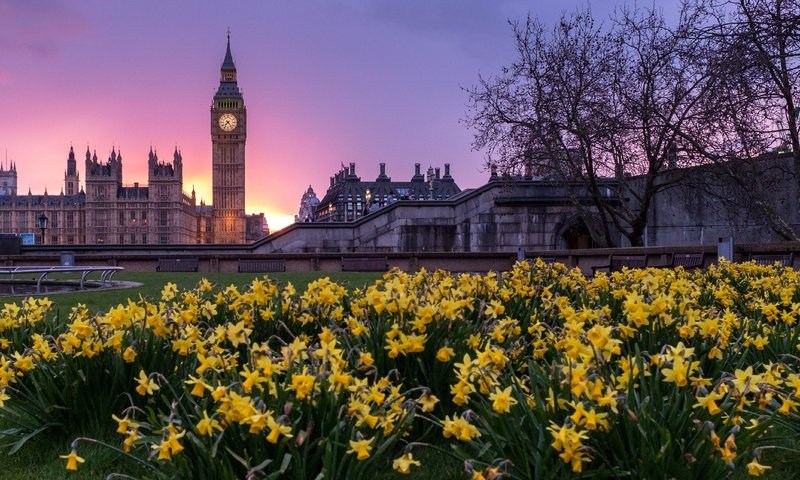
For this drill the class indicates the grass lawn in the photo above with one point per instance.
(39, 459)
(153, 282)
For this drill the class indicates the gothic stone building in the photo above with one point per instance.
(349, 198)
(65, 212)
(158, 212)
(109, 211)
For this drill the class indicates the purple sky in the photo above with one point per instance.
(324, 82)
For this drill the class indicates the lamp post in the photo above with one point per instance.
(41, 224)
(368, 197)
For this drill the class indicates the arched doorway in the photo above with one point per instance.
(573, 234)
(577, 236)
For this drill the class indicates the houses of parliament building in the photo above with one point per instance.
(107, 211)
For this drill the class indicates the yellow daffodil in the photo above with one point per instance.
(709, 402)
(207, 426)
(129, 355)
(756, 469)
(276, 430)
(72, 460)
(146, 386)
(445, 354)
(502, 401)
(361, 448)
(428, 402)
(404, 463)
(459, 428)
(302, 384)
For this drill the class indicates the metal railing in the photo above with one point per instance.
(106, 273)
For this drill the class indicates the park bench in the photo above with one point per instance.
(688, 261)
(365, 264)
(258, 265)
(532, 260)
(177, 265)
(785, 259)
(618, 262)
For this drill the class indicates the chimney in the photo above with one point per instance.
(331, 181)
(437, 173)
(446, 170)
(416, 169)
(383, 169)
(352, 168)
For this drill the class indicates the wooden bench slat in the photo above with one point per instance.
(177, 265)
(618, 262)
(365, 264)
(687, 260)
(257, 265)
(785, 259)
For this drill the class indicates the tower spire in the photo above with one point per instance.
(227, 63)
(228, 87)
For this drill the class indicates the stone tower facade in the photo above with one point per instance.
(308, 206)
(71, 177)
(228, 137)
(172, 216)
(156, 213)
(103, 179)
(8, 179)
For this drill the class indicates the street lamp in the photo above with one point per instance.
(41, 224)
(368, 198)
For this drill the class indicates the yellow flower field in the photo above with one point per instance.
(537, 372)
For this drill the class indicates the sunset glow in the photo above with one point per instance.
(325, 83)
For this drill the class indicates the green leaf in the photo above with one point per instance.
(287, 458)
(22, 441)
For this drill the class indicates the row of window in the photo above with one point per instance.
(100, 239)
(57, 240)
(27, 220)
(130, 217)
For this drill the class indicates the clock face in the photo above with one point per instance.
(227, 121)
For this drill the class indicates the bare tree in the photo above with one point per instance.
(750, 107)
(596, 108)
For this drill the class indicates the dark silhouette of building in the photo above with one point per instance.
(349, 198)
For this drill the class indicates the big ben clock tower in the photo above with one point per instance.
(228, 136)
